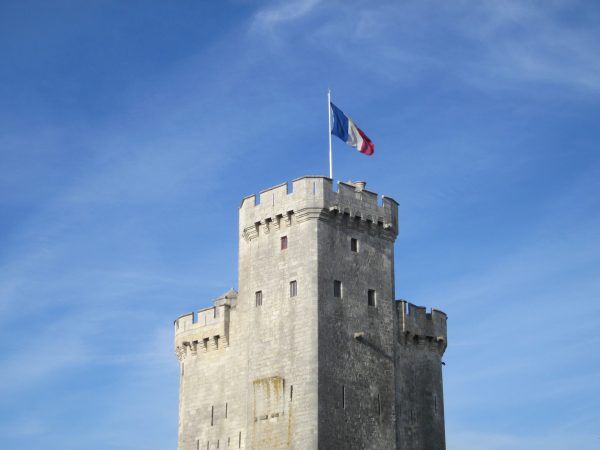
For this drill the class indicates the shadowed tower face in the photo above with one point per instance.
(312, 352)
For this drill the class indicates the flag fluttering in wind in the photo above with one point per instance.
(344, 128)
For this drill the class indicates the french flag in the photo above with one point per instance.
(344, 128)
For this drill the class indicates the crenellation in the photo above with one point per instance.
(313, 198)
(414, 320)
(274, 195)
(209, 326)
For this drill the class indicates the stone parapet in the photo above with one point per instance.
(205, 331)
(415, 324)
(313, 197)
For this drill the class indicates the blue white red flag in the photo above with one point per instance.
(344, 128)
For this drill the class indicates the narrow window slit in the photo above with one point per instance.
(258, 298)
(371, 298)
(293, 288)
(337, 289)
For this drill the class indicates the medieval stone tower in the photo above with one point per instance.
(313, 352)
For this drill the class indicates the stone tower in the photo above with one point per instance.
(313, 352)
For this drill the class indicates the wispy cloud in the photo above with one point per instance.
(280, 13)
(491, 45)
(533, 42)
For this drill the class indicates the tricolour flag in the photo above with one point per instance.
(344, 128)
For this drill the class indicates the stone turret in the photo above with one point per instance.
(421, 342)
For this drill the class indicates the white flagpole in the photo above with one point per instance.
(329, 134)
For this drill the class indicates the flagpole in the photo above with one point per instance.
(329, 133)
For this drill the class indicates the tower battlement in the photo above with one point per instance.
(313, 197)
(207, 330)
(415, 321)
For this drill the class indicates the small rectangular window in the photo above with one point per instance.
(240, 440)
(344, 397)
(291, 393)
(293, 288)
(371, 298)
(354, 245)
(212, 415)
(226, 405)
(258, 297)
(337, 289)
(283, 242)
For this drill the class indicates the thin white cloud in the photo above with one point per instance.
(531, 42)
(283, 12)
(491, 45)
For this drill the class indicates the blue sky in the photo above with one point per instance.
(130, 131)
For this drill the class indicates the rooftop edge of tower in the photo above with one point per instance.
(415, 321)
(314, 197)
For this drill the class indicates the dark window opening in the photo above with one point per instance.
(293, 288)
(283, 242)
(291, 393)
(354, 245)
(378, 404)
(337, 289)
(344, 397)
(371, 298)
(258, 297)
(212, 415)
(226, 405)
